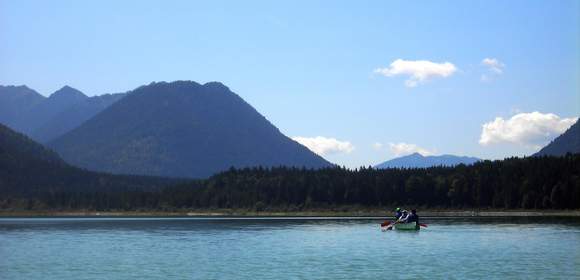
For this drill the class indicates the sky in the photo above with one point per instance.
(358, 82)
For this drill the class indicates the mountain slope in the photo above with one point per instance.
(44, 119)
(417, 160)
(18, 149)
(28, 168)
(15, 102)
(180, 129)
(25, 110)
(568, 142)
(73, 116)
(57, 102)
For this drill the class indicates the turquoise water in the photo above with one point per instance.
(162, 248)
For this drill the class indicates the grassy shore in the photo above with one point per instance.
(312, 213)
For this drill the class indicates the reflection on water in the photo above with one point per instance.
(194, 248)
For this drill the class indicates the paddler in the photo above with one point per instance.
(398, 214)
(413, 217)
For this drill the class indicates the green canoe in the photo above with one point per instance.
(407, 226)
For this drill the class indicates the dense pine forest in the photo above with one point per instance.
(515, 183)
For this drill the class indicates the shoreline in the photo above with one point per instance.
(273, 214)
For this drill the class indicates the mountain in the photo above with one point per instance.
(568, 142)
(25, 110)
(18, 149)
(45, 118)
(180, 129)
(73, 116)
(417, 160)
(15, 101)
(57, 102)
(28, 168)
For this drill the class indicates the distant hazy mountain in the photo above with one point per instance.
(57, 102)
(44, 119)
(73, 116)
(416, 160)
(15, 103)
(25, 110)
(568, 142)
(27, 168)
(180, 129)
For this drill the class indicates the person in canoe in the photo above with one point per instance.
(404, 217)
(398, 214)
(413, 217)
(388, 225)
(410, 217)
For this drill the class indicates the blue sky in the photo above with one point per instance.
(309, 66)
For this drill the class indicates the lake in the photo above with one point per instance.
(213, 248)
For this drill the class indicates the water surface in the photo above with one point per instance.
(193, 248)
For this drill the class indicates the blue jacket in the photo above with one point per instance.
(413, 218)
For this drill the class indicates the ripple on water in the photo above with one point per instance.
(286, 249)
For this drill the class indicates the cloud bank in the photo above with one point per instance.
(325, 146)
(529, 129)
(402, 149)
(418, 70)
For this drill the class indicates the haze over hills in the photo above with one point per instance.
(73, 116)
(28, 168)
(45, 118)
(57, 102)
(567, 142)
(15, 104)
(417, 160)
(180, 129)
(25, 110)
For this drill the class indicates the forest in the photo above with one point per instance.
(514, 183)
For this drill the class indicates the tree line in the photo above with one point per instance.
(513, 183)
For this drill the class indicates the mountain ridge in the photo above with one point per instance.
(16, 101)
(25, 110)
(567, 142)
(180, 129)
(45, 118)
(73, 116)
(416, 160)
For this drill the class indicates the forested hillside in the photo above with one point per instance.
(545, 182)
(28, 169)
(516, 183)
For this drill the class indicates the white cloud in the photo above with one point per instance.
(325, 146)
(493, 65)
(377, 146)
(418, 70)
(529, 129)
(401, 149)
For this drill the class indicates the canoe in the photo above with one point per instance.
(407, 226)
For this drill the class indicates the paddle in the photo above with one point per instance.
(387, 225)
(390, 225)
